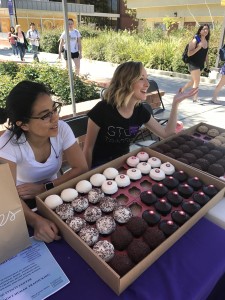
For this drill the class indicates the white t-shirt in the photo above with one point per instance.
(74, 35)
(33, 35)
(28, 169)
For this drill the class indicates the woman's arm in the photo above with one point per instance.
(79, 47)
(90, 139)
(61, 43)
(194, 47)
(169, 129)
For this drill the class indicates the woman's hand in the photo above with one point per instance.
(45, 230)
(180, 96)
(30, 190)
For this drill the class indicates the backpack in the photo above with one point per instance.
(185, 56)
(222, 53)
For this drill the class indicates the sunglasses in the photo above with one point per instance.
(48, 117)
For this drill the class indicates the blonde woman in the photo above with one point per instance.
(21, 42)
(114, 122)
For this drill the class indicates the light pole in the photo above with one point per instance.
(14, 4)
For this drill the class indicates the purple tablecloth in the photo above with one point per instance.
(189, 270)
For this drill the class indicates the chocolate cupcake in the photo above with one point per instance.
(168, 227)
(154, 237)
(185, 190)
(158, 149)
(179, 217)
(203, 148)
(201, 198)
(170, 182)
(210, 145)
(190, 157)
(203, 163)
(218, 154)
(170, 154)
(177, 152)
(148, 197)
(210, 190)
(197, 166)
(216, 170)
(121, 263)
(183, 160)
(185, 148)
(195, 182)
(211, 158)
(198, 142)
(136, 226)
(165, 148)
(121, 238)
(159, 189)
(163, 207)
(172, 144)
(151, 217)
(174, 198)
(179, 140)
(190, 207)
(180, 176)
(191, 144)
(187, 137)
(197, 153)
(137, 250)
(221, 162)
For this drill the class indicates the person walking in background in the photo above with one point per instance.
(198, 56)
(75, 46)
(13, 40)
(219, 87)
(21, 42)
(114, 122)
(33, 37)
(33, 145)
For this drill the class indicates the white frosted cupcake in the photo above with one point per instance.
(97, 179)
(109, 187)
(168, 168)
(143, 156)
(144, 167)
(83, 186)
(122, 180)
(69, 194)
(110, 173)
(133, 161)
(154, 162)
(134, 173)
(53, 201)
(157, 174)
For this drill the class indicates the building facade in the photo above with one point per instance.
(48, 13)
(186, 12)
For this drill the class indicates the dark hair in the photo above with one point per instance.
(32, 24)
(11, 29)
(19, 105)
(201, 27)
(70, 19)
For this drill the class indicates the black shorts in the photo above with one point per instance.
(73, 54)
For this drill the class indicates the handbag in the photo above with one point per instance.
(222, 53)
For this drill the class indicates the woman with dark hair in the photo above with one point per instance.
(33, 146)
(198, 56)
(114, 122)
(13, 40)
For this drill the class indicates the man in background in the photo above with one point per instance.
(33, 37)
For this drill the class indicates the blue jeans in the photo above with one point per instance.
(15, 49)
(35, 52)
(22, 50)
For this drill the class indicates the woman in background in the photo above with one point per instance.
(13, 40)
(21, 42)
(198, 56)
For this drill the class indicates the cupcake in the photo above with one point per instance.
(121, 238)
(179, 217)
(216, 170)
(136, 226)
(83, 186)
(154, 162)
(185, 190)
(210, 190)
(154, 237)
(89, 235)
(201, 198)
(170, 182)
(122, 214)
(137, 250)
(134, 174)
(121, 264)
(163, 207)
(132, 161)
(168, 227)
(181, 176)
(104, 249)
(168, 168)
(195, 183)
(122, 180)
(97, 179)
(151, 217)
(159, 189)
(148, 197)
(143, 156)
(190, 207)
(174, 198)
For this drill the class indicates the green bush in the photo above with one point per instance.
(9, 68)
(54, 77)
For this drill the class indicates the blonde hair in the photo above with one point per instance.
(16, 28)
(120, 89)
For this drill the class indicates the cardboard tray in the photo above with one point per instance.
(109, 276)
(193, 132)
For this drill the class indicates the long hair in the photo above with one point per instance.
(120, 89)
(17, 27)
(200, 28)
(19, 105)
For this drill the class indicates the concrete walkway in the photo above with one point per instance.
(189, 113)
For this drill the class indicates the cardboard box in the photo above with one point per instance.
(14, 235)
(190, 131)
(117, 283)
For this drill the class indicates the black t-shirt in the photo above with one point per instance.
(198, 59)
(116, 132)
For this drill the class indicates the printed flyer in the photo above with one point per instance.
(31, 274)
